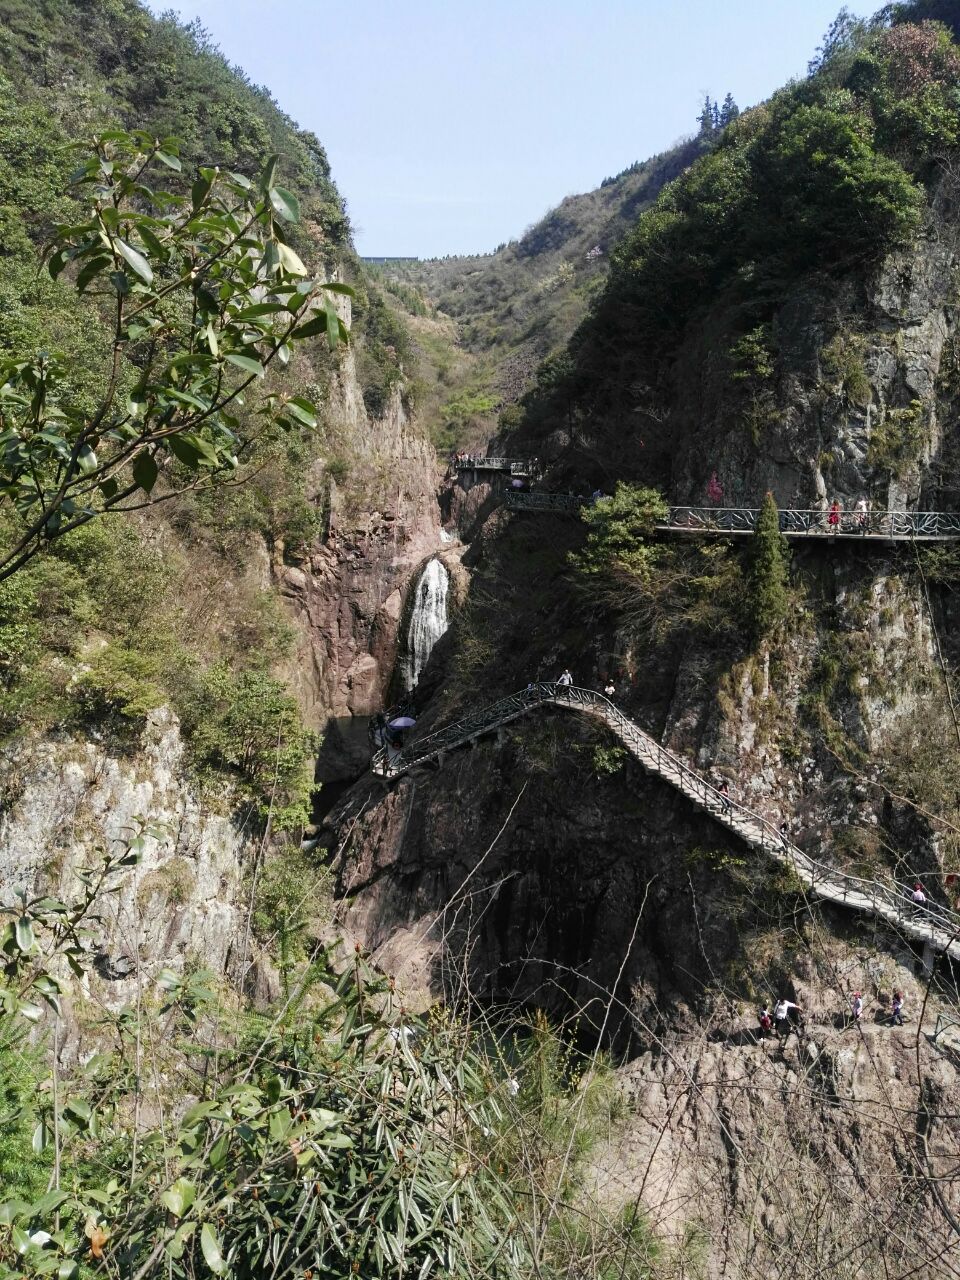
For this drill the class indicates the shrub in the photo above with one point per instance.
(247, 724)
(617, 529)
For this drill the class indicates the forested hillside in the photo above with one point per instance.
(118, 617)
(758, 269)
(482, 324)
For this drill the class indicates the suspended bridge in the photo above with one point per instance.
(934, 926)
(795, 523)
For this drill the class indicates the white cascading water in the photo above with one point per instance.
(428, 621)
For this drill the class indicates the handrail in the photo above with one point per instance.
(811, 522)
(929, 922)
(515, 466)
(817, 520)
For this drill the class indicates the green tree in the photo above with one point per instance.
(769, 572)
(729, 111)
(618, 529)
(205, 296)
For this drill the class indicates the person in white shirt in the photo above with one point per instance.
(856, 1006)
(781, 1017)
(566, 679)
(862, 513)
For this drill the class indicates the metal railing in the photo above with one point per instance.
(518, 501)
(513, 466)
(889, 524)
(928, 922)
(793, 521)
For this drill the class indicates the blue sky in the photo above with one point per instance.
(452, 125)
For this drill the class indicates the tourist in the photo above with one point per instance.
(766, 1023)
(724, 791)
(833, 518)
(781, 1017)
(856, 1006)
(918, 897)
(862, 511)
(566, 679)
(785, 835)
(609, 689)
(896, 1010)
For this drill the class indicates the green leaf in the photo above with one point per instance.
(334, 286)
(284, 203)
(269, 169)
(281, 1123)
(199, 191)
(86, 460)
(247, 363)
(179, 1197)
(289, 260)
(52, 1200)
(12, 1209)
(79, 1111)
(302, 410)
(23, 931)
(170, 161)
(93, 268)
(68, 1270)
(145, 471)
(136, 261)
(333, 328)
(191, 450)
(109, 488)
(311, 328)
(212, 1252)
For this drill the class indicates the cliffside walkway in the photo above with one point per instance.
(932, 925)
(795, 523)
(512, 466)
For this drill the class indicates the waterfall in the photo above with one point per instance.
(428, 621)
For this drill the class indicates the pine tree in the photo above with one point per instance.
(769, 572)
(706, 117)
(729, 111)
(716, 118)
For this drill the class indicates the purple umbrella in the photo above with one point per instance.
(402, 722)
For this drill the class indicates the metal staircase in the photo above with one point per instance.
(929, 924)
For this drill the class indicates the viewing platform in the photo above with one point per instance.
(795, 523)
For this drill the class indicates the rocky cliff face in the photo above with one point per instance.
(65, 799)
(853, 403)
(347, 597)
(65, 802)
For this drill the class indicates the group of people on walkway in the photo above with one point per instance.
(838, 519)
(787, 1016)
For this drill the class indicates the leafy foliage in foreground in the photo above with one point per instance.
(336, 1138)
(205, 293)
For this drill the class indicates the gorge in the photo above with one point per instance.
(289, 990)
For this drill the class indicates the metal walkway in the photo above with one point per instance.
(795, 523)
(512, 466)
(930, 924)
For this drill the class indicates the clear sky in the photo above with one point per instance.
(452, 125)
